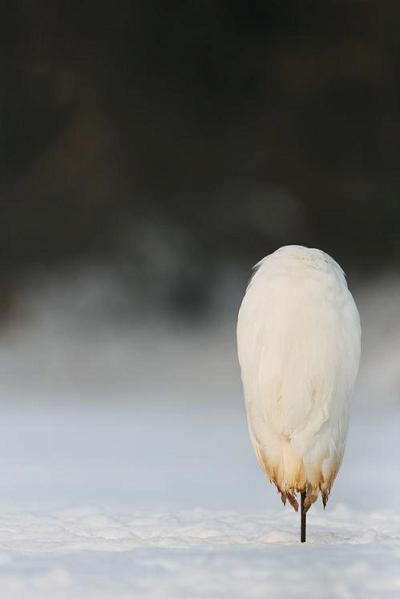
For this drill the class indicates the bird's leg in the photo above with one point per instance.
(303, 515)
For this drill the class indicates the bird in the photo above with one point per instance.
(299, 345)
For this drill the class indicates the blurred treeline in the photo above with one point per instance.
(200, 132)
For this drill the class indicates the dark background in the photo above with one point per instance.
(173, 140)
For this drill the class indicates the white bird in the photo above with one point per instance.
(299, 338)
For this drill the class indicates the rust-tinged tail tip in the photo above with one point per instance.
(290, 497)
(293, 501)
(309, 500)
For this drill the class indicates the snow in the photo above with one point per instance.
(156, 501)
(197, 554)
(126, 469)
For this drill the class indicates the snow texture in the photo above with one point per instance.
(77, 480)
(92, 553)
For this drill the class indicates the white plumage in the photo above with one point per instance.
(298, 338)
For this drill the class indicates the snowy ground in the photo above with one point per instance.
(92, 553)
(126, 469)
(167, 501)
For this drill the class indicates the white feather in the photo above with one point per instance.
(298, 340)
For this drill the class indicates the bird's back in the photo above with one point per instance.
(299, 346)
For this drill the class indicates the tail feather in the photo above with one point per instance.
(290, 486)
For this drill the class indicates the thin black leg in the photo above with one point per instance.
(303, 516)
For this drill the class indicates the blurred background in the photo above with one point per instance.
(151, 153)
